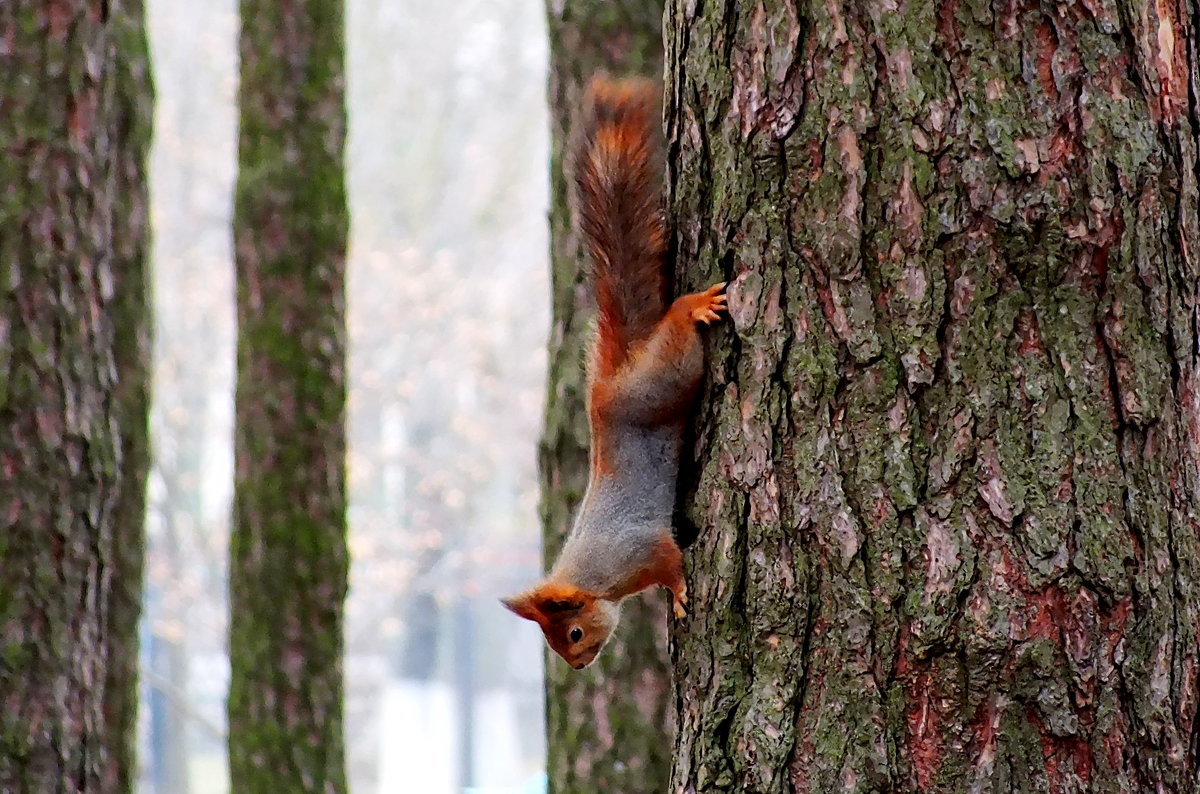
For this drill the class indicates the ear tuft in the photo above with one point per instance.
(521, 605)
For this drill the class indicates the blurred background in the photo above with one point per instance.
(448, 315)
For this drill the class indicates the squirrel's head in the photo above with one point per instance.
(576, 624)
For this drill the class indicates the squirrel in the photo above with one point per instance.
(644, 369)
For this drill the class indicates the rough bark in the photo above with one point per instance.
(288, 558)
(608, 728)
(948, 475)
(75, 128)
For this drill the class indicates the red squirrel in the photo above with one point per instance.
(644, 369)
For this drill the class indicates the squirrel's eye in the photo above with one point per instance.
(576, 634)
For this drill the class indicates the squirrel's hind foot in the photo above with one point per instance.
(709, 304)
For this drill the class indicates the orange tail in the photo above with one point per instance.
(617, 175)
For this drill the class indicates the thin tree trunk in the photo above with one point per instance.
(949, 469)
(74, 129)
(288, 559)
(608, 729)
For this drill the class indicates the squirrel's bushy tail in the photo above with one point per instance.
(617, 175)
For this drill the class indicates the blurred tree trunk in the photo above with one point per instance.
(949, 471)
(133, 121)
(288, 557)
(608, 728)
(75, 127)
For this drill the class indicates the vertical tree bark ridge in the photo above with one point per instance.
(288, 565)
(74, 129)
(949, 463)
(608, 728)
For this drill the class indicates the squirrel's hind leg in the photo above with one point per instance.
(657, 382)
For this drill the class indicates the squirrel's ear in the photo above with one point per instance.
(521, 605)
(560, 606)
(559, 600)
(545, 600)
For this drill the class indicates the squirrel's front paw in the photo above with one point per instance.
(679, 601)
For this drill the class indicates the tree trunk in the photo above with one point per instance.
(74, 125)
(948, 475)
(288, 558)
(133, 121)
(608, 729)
